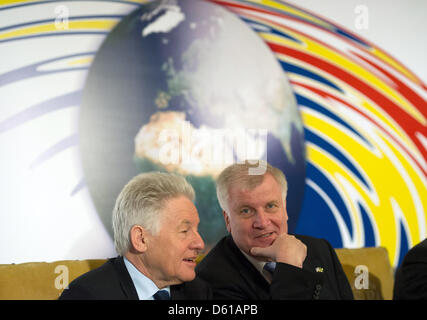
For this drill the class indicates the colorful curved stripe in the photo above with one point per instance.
(50, 28)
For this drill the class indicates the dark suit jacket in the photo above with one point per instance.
(411, 277)
(232, 276)
(112, 281)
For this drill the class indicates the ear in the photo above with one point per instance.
(227, 220)
(138, 238)
(286, 211)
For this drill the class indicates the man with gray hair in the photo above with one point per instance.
(259, 259)
(155, 234)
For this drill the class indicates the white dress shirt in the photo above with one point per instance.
(144, 286)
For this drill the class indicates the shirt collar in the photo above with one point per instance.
(144, 286)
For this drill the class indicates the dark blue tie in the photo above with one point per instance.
(269, 267)
(161, 295)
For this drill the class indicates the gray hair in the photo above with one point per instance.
(239, 173)
(141, 202)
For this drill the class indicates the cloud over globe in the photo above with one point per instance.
(187, 87)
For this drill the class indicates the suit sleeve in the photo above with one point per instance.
(290, 282)
(76, 293)
(411, 278)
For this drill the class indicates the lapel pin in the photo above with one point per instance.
(319, 269)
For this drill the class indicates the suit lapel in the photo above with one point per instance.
(126, 282)
(259, 286)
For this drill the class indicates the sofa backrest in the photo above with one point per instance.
(369, 272)
(41, 280)
(46, 281)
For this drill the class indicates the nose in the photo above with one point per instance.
(197, 242)
(261, 220)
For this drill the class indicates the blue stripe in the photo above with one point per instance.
(288, 67)
(351, 37)
(31, 70)
(79, 186)
(317, 176)
(404, 245)
(368, 228)
(57, 148)
(317, 220)
(56, 34)
(40, 109)
(271, 30)
(316, 217)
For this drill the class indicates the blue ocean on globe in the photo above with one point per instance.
(187, 87)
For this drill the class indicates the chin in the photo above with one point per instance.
(188, 276)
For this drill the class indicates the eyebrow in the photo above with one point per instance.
(183, 223)
(251, 206)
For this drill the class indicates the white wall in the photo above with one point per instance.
(398, 27)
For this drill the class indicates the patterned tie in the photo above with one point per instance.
(269, 267)
(161, 295)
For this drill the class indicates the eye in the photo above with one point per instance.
(271, 205)
(246, 211)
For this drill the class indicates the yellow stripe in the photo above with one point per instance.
(103, 25)
(10, 2)
(81, 61)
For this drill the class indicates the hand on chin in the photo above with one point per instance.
(286, 248)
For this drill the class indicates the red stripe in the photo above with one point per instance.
(406, 91)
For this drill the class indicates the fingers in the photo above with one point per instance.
(266, 253)
(292, 251)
